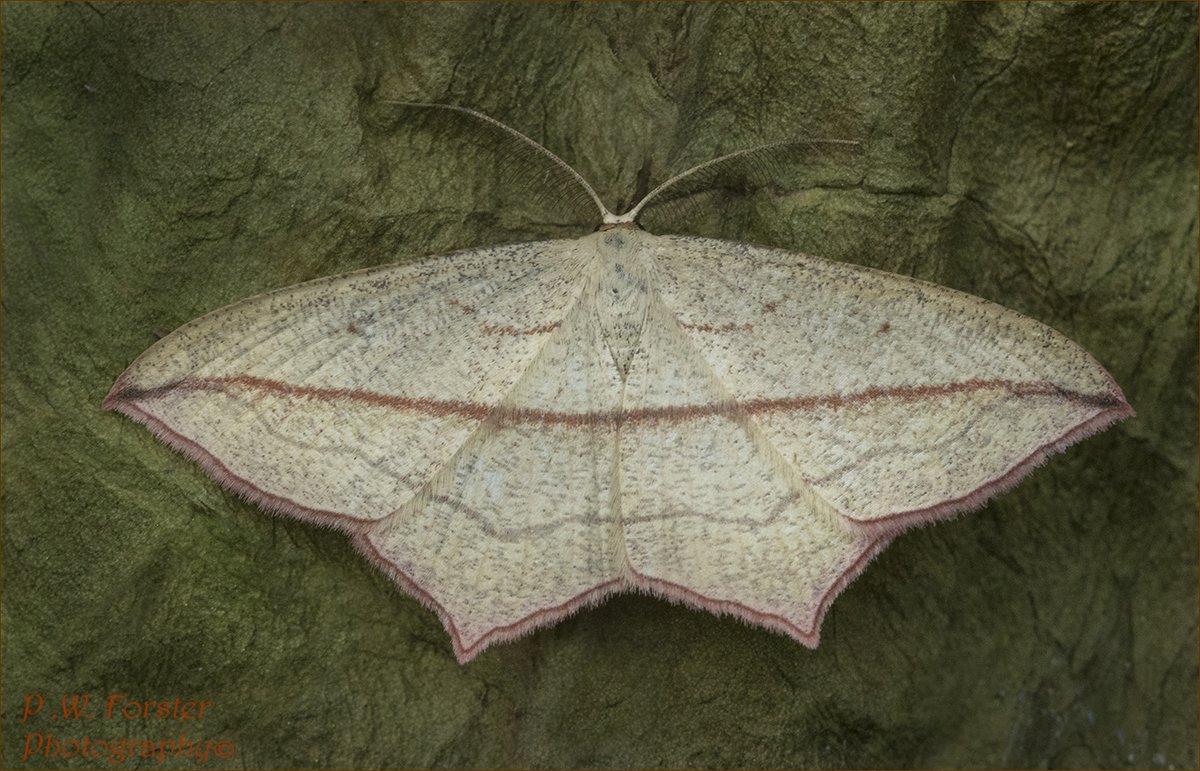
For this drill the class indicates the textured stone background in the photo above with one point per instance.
(162, 161)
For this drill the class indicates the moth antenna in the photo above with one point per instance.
(605, 214)
(632, 214)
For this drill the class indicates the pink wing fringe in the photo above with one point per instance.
(883, 530)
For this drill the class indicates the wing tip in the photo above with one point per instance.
(117, 396)
(118, 400)
(1119, 409)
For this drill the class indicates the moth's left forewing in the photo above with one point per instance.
(336, 400)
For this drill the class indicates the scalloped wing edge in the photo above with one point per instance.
(884, 531)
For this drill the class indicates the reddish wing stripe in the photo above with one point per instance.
(611, 418)
(435, 407)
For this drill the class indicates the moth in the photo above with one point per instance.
(514, 432)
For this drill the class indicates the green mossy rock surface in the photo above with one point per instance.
(161, 161)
